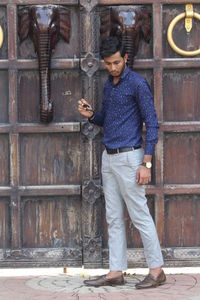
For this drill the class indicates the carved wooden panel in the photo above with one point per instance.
(5, 223)
(181, 158)
(51, 222)
(181, 95)
(4, 96)
(182, 226)
(65, 86)
(4, 160)
(50, 159)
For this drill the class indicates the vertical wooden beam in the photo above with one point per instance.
(14, 137)
(158, 98)
(91, 204)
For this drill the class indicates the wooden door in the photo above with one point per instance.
(51, 200)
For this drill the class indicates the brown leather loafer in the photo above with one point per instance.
(151, 282)
(103, 281)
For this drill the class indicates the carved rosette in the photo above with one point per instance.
(168, 253)
(92, 250)
(91, 192)
(90, 130)
(89, 64)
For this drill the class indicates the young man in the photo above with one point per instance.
(126, 167)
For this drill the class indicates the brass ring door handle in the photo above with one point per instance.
(1, 36)
(170, 38)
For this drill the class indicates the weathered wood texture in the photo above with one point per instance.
(51, 222)
(5, 224)
(51, 202)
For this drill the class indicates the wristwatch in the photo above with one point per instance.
(147, 164)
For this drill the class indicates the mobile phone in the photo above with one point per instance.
(87, 107)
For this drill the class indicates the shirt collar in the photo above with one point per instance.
(124, 74)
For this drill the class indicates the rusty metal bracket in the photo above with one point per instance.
(89, 64)
(1, 36)
(189, 14)
(89, 130)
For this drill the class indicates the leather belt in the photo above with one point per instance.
(120, 150)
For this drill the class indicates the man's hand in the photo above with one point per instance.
(85, 108)
(143, 175)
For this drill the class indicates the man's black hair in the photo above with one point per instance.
(111, 45)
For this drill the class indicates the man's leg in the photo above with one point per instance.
(116, 228)
(134, 197)
(114, 216)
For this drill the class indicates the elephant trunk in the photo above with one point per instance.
(129, 38)
(44, 53)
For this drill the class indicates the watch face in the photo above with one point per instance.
(148, 164)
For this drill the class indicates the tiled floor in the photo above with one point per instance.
(48, 285)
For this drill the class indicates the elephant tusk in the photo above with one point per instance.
(1, 36)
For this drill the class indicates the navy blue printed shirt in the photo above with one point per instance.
(125, 107)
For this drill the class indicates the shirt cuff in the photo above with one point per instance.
(149, 149)
(91, 118)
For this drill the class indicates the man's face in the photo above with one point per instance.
(115, 64)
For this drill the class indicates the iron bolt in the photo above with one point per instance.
(90, 128)
(90, 64)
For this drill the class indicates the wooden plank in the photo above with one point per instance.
(122, 2)
(166, 63)
(180, 126)
(50, 158)
(14, 160)
(179, 189)
(49, 190)
(181, 220)
(51, 221)
(34, 128)
(4, 64)
(42, 2)
(181, 158)
(12, 29)
(4, 160)
(5, 230)
(180, 63)
(32, 64)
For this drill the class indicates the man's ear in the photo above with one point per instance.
(23, 23)
(65, 23)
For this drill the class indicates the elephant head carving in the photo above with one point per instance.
(130, 23)
(45, 24)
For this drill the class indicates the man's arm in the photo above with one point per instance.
(147, 110)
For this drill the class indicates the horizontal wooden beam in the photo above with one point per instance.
(165, 63)
(180, 126)
(40, 128)
(180, 189)
(50, 190)
(41, 2)
(5, 191)
(122, 2)
(71, 63)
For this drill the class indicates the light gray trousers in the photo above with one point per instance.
(119, 184)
